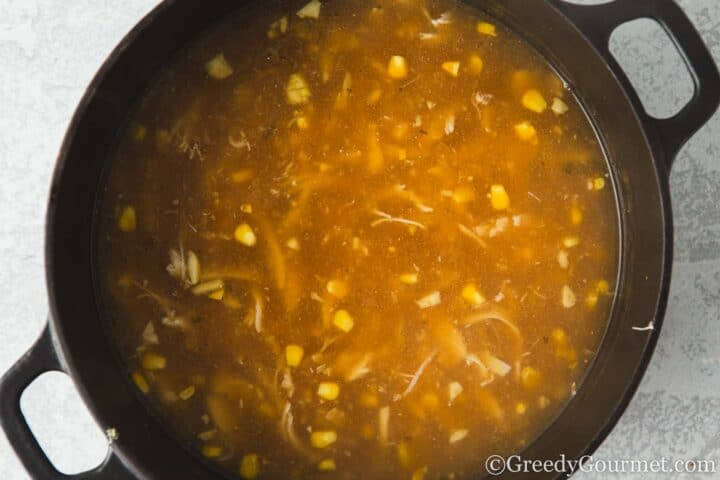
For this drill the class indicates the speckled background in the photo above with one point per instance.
(49, 51)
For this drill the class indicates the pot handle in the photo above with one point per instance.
(597, 23)
(41, 358)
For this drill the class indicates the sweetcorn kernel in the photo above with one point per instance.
(453, 68)
(486, 28)
(471, 294)
(219, 68)
(153, 361)
(337, 288)
(127, 222)
(558, 106)
(598, 183)
(217, 294)
(138, 132)
(534, 101)
(530, 377)
(409, 278)
(602, 287)
(245, 235)
(328, 390)
(140, 382)
(212, 451)
(463, 194)
(591, 300)
(559, 337)
(526, 132)
(520, 408)
(397, 67)
(323, 438)
(419, 473)
(343, 321)
(250, 466)
(187, 393)
(327, 465)
(576, 215)
(499, 198)
(294, 355)
(475, 64)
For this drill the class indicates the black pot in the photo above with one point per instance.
(574, 39)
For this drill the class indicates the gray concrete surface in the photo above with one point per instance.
(50, 49)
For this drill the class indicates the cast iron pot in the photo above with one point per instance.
(640, 151)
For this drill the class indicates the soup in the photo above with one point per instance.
(358, 240)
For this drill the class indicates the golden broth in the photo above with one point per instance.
(358, 240)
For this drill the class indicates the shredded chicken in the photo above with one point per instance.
(416, 377)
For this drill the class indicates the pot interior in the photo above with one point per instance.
(77, 317)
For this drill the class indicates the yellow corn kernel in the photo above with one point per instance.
(297, 90)
(520, 408)
(403, 453)
(463, 194)
(219, 68)
(140, 382)
(558, 106)
(486, 28)
(302, 123)
(127, 222)
(570, 242)
(471, 294)
(543, 401)
(323, 438)
(246, 208)
(499, 198)
(475, 64)
(327, 465)
(153, 361)
(530, 377)
(419, 474)
(409, 278)
(245, 235)
(374, 96)
(576, 215)
(242, 176)
(162, 138)
(278, 27)
(343, 321)
(397, 67)
(602, 287)
(187, 393)
(591, 300)
(526, 132)
(453, 68)
(559, 337)
(294, 355)
(328, 390)
(598, 183)
(138, 132)
(217, 294)
(250, 466)
(211, 451)
(534, 101)
(337, 288)
(293, 244)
